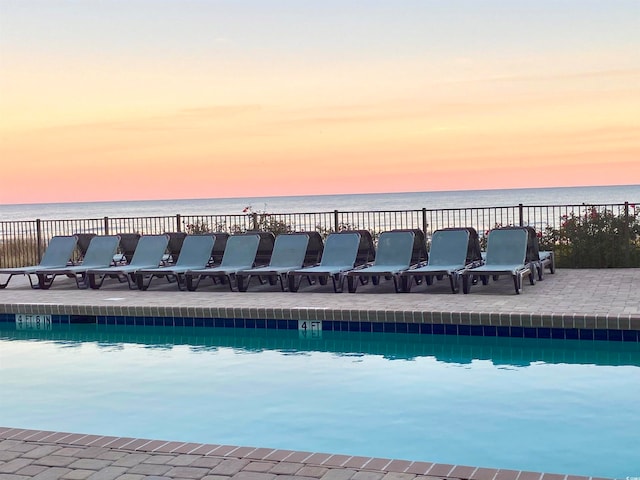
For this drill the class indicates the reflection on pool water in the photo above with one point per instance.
(541, 405)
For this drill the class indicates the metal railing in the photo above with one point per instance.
(23, 242)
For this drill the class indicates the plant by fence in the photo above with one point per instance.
(596, 238)
(583, 236)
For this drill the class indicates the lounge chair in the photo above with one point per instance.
(99, 254)
(265, 247)
(314, 249)
(176, 239)
(218, 248)
(84, 239)
(452, 250)
(540, 259)
(57, 255)
(128, 244)
(289, 252)
(419, 254)
(195, 253)
(506, 255)
(239, 254)
(339, 256)
(393, 256)
(366, 248)
(148, 254)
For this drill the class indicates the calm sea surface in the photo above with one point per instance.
(325, 203)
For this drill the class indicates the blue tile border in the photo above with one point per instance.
(462, 329)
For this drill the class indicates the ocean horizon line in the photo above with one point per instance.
(322, 195)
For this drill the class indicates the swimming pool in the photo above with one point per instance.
(525, 404)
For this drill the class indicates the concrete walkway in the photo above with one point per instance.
(29, 454)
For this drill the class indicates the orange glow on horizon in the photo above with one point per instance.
(204, 115)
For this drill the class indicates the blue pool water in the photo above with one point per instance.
(542, 405)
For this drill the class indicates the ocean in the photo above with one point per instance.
(597, 195)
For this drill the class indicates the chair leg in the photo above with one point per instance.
(81, 280)
(352, 283)
(338, 282)
(406, 282)
(293, 282)
(282, 278)
(240, 281)
(45, 281)
(397, 283)
(466, 284)
(454, 281)
(192, 283)
(34, 285)
(517, 282)
(95, 283)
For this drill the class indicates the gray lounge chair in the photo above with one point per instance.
(195, 253)
(239, 254)
(506, 255)
(99, 254)
(126, 249)
(452, 250)
(148, 254)
(539, 259)
(339, 256)
(288, 254)
(84, 239)
(176, 239)
(57, 255)
(393, 256)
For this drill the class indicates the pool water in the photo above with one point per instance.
(544, 405)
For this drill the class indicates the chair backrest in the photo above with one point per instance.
(59, 251)
(84, 239)
(218, 247)
(507, 246)
(128, 244)
(196, 251)
(533, 244)
(265, 247)
(340, 249)
(314, 249)
(289, 250)
(241, 250)
(395, 248)
(150, 250)
(449, 247)
(176, 239)
(101, 250)
(419, 253)
(366, 249)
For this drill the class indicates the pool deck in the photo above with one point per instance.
(600, 299)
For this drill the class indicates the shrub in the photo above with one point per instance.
(596, 239)
(262, 221)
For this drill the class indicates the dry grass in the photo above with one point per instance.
(18, 253)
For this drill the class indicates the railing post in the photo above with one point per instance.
(178, 223)
(521, 215)
(335, 220)
(424, 220)
(627, 237)
(254, 219)
(106, 225)
(39, 238)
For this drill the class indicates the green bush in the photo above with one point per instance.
(596, 239)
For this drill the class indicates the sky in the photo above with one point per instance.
(162, 99)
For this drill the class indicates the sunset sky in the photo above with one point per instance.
(160, 99)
